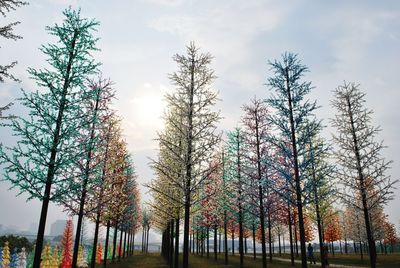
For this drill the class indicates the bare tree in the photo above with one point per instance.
(363, 169)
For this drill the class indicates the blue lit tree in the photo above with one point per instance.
(294, 121)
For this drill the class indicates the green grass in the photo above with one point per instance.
(196, 261)
(148, 261)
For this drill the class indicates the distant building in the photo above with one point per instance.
(57, 227)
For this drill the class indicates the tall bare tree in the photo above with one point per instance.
(363, 169)
(194, 123)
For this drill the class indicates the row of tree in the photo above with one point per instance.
(275, 169)
(70, 148)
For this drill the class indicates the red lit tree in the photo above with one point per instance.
(66, 244)
(99, 253)
(332, 230)
(390, 237)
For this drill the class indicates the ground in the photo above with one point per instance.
(196, 261)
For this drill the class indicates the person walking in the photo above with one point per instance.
(310, 250)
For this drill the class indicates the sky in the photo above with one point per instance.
(338, 40)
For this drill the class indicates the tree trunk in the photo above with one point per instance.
(177, 243)
(279, 244)
(260, 197)
(147, 239)
(95, 240)
(171, 249)
(208, 242)
(120, 245)
(290, 236)
(254, 242)
(193, 251)
(241, 255)
(215, 243)
(361, 250)
(296, 176)
(143, 239)
(233, 243)
(283, 242)
(133, 241)
(269, 235)
(124, 247)
(114, 242)
(105, 246)
(188, 169)
(225, 238)
(317, 210)
(295, 240)
(219, 244)
(197, 242)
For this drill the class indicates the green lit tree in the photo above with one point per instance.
(47, 145)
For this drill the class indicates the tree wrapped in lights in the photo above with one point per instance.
(81, 263)
(22, 259)
(66, 245)
(255, 122)
(56, 257)
(96, 102)
(193, 101)
(5, 255)
(295, 123)
(14, 258)
(47, 145)
(99, 253)
(47, 257)
(362, 168)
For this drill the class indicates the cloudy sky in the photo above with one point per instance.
(338, 40)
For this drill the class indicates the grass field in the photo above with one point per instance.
(195, 261)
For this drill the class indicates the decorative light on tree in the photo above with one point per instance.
(47, 137)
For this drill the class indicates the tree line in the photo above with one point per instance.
(272, 175)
